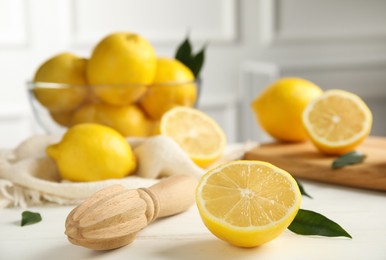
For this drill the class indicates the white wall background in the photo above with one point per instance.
(335, 43)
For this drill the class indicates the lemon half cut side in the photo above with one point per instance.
(247, 203)
(198, 135)
(337, 122)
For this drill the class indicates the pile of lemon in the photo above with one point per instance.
(123, 89)
(123, 85)
(295, 109)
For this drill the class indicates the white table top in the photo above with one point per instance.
(362, 213)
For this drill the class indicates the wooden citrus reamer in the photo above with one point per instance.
(112, 217)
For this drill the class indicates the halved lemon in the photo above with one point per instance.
(247, 203)
(197, 134)
(337, 122)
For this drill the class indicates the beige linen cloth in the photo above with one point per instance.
(28, 177)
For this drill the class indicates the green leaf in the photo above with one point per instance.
(29, 218)
(308, 222)
(348, 159)
(197, 62)
(193, 61)
(184, 51)
(302, 190)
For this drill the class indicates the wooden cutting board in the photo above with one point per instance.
(302, 160)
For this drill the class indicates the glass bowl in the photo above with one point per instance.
(133, 110)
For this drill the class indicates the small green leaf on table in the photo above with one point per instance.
(348, 159)
(308, 222)
(29, 218)
(302, 190)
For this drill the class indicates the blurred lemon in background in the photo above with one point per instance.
(92, 152)
(127, 120)
(63, 68)
(121, 60)
(87, 113)
(173, 85)
(62, 118)
(153, 127)
(119, 95)
(122, 85)
(279, 108)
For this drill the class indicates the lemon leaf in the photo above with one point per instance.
(308, 222)
(302, 190)
(29, 218)
(194, 61)
(184, 51)
(348, 159)
(198, 62)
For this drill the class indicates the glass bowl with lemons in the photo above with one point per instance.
(123, 85)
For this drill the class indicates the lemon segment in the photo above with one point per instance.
(198, 135)
(92, 152)
(247, 203)
(337, 122)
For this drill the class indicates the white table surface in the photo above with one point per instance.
(362, 213)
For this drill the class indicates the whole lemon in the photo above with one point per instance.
(173, 85)
(62, 118)
(87, 113)
(153, 127)
(92, 152)
(279, 108)
(126, 63)
(119, 95)
(127, 120)
(63, 68)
